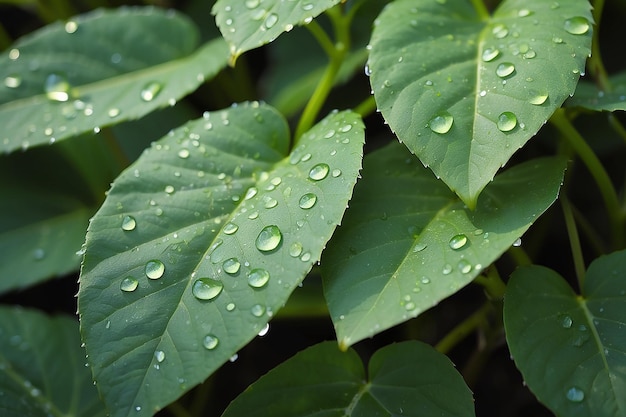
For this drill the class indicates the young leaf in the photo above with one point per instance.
(407, 242)
(589, 96)
(42, 369)
(97, 70)
(408, 378)
(201, 241)
(570, 348)
(251, 23)
(464, 93)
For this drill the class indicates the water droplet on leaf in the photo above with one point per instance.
(490, 54)
(269, 238)
(57, 87)
(154, 269)
(307, 201)
(150, 91)
(577, 25)
(441, 123)
(458, 241)
(295, 249)
(575, 394)
(230, 228)
(207, 288)
(271, 20)
(507, 121)
(319, 172)
(231, 266)
(210, 342)
(258, 278)
(159, 355)
(128, 223)
(129, 284)
(566, 322)
(505, 69)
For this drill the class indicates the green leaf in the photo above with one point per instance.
(464, 93)
(251, 23)
(111, 66)
(42, 369)
(589, 96)
(175, 275)
(571, 348)
(408, 378)
(407, 242)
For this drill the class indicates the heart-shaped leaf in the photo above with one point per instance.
(570, 348)
(251, 23)
(42, 371)
(464, 92)
(589, 96)
(408, 378)
(201, 241)
(97, 70)
(408, 242)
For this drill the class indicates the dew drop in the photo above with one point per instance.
(500, 31)
(518, 242)
(169, 189)
(159, 355)
(183, 153)
(113, 112)
(345, 128)
(306, 257)
(425, 280)
(257, 310)
(490, 54)
(154, 269)
(258, 278)
(230, 228)
(13, 81)
(441, 123)
(269, 238)
(71, 26)
(270, 202)
(129, 284)
(567, 322)
(206, 288)
(295, 249)
(264, 330)
(505, 69)
(537, 98)
(129, 223)
(307, 7)
(575, 394)
(319, 172)
(252, 191)
(57, 87)
(447, 269)
(465, 266)
(231, 266)
(409, 306)
(39, 254)
(307, 201)
(150, 91)
(210, 342)
(458, 241)
(419, 247)
(230, 306)
(271, 20)
(507, 121)
(577, 25)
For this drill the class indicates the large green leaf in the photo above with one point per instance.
(589, 96)
(405, 379)
(408, 242)
(464, 93)
(201, 241)
(97, 70)
(571, 348)
(42, 367)
(251, 23)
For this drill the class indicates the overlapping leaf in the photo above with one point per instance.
(571, 349)
(251, 23)
(42, 369)
(464, 93)
(407, 242)
(201, 241)
(589, 96)
(409, 378)
(97, 70)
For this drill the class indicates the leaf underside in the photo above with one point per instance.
(589, 96)
(464, 94)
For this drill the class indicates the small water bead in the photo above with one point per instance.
(230, 306)
(253, 215)
(57, 88)
(13, 81)
(537, 98)
(230, 228)
(557, 39)
(567, 322)
(505, 69)
(577, 25)
(14, 54)
(336, 173)
(258, 310)
(270, 20)
(345, 128)
(518, 242)
(206, 288)
(441, 123)
(183, 153)
(129, 284)
(150, 91)
(425, 280)
(307, 201)
(524, 13)
(465, 266)
(458, 241)
(258, 278)
(270, 202)
(210, 342)
(252, 4)
(307, 7)
(419, 247)
(490, 54)
(159, 355)
(154, 269)
(252, 191)
(500, 31)
(319, 172)
(329, 134)
(129, 223)
(71, 26)
(269, 238)
(231, 266)
(506, 121)
(530, 54)
(264, 330)
(295, 249)
(575, 394)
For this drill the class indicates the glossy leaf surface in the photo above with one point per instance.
(408, 378)
(201, 241)
(408, 242)
(97, 70)
(464, 93)
(570, 348)
(249, 24)
(42, 369)
(589, 96)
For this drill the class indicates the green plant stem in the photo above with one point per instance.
(366, 107)
(574, 240)
(492, 283)
(322, 38)
(520, 257)
(583, 150)
(481, 9)
(336, 55)
(617, 126)
(595, 63)
(463, 329)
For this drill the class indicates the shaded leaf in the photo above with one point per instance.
(465, 93)
(42, 369)
(589, 96)
(408, 378)
(407, 242)
(201, 241)
(251, 23)
(571, 349)
(97, 70)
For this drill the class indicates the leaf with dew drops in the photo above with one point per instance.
(570, 348)
(201, 241)
(117, 65)
(428, 244)
(464, 92)
(589, 96)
